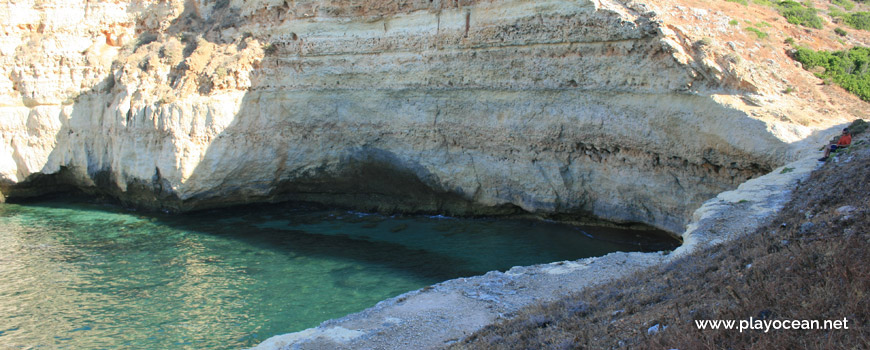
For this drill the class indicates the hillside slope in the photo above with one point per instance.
(806, 263)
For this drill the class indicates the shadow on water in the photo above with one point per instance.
(333, 246)
(240, 224)
(258, 269)
(368, 175)
(406, 243)
(224, 278)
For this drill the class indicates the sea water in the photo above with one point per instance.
(81, 274)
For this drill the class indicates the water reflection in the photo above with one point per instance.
(82, 275)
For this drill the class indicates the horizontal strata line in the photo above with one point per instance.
(418, 91)
(454, 49)
(422, 13)
(377, 17)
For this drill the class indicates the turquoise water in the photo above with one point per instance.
(77, 274)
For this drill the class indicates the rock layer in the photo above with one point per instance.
(460, 107)
(446, 313)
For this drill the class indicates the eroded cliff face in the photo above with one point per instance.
(459, 107)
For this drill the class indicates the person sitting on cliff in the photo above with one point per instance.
(844, 141)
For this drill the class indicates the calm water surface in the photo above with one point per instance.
(77, 274)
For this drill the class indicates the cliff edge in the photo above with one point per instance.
(623, 110)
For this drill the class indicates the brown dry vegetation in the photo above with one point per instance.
(763, 65)
(810, 262)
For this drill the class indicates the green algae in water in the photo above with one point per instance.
(82, 275)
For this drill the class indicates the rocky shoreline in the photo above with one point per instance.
(623, 110)
(439, 315)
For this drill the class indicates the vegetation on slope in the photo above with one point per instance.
(808, 263)
(808, 16)
(857, 20)
(849, 69)
(846, 4)
(797, 13)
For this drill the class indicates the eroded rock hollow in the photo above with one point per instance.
(460, 107)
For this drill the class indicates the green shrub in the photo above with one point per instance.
(858, 126)
(789, 41)
(837, 13)
(758, 33)
(858, 20)
(809, 58)
(846, 4)
(763, 2)
(734, 22)
(742, 2)
(848, 69)
(796, 13)
(840, 31)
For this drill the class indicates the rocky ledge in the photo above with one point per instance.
(558, 108)
(437, 316)
(621, 110)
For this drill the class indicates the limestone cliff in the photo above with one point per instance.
(612, 108)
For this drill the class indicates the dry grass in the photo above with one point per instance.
(810, 262)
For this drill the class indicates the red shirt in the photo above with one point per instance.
(845, 140)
